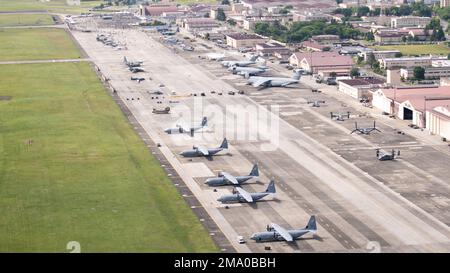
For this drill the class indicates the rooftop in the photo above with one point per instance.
(324, 58)
(244, 36)
(416, 96)
(363, 81)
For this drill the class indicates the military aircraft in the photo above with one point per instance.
(315, 103)
(274, 81)
(215, 56)
(131, 64)
(161, 111)
(179, 129)
(365, 131)
(385, 157)
(138, 79)
(247, 71)
(340, 116)
(252, 60)
(202, 151)
(241, 195)
(136, 69)
(276, 233)
(225, 178)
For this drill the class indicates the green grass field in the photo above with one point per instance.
(36, 44)
(61, 6)
(73, 169)
(7, 20)
(436, 49)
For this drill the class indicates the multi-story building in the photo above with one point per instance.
(382, 54)
(244, 40)
(388, 37)
(438, 69)
(409, 61)
(445, 3)
(410, 21)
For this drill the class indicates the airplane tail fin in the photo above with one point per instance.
(125, 60)
(254, 171)
(311, 224)
(297, 75)
(254, 58)
(271, 187)
(224, 144)
(204, 121)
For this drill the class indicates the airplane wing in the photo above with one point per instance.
(245, 194)
(203, 151)
(284, 233)
(230, 178)
(260, 82)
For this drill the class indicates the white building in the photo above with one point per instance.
(410, 21)
(438, 121)
(409, 61)
(359, 88)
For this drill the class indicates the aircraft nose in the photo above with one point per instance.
(220, 199)
(167, 131)
(253, 237)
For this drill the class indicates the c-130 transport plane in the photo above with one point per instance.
(203, 151)
(276, 233)
(225, 178)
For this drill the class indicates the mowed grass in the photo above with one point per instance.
(435, 49)
(36, 44)
(8, 20)
(61, 6)
(73, 169)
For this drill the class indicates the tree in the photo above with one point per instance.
(339, 1)
(419, 73)
(231, 22)
(371, 59)
(333, 75)
(370, 36)
(225, 2)
(398, 55)
(354, 72)
(221, 15)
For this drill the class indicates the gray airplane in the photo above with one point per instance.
(247, 71)
(241, 195)
(252, 60)
(385, 157)
(202, 151)
(225, 178)
(180, 129)
(138, 79)
(340, 116)
(316, 103)
(136, 69)
(276, 233)
(131, 64)
(274, 81)
(365, 131)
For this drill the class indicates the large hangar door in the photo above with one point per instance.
(407, 114)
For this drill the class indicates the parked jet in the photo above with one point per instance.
(276, 233)
(215, 57)
(138, 79)
(241, 195)
(225, 178)
(179, 129)
(385, 157)
(315, 103)
(339, 116)
(202, 151)
(131, 64)
(247, 71)
(273, 81)
(136, 69)
(252, 60)
(365, 131)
